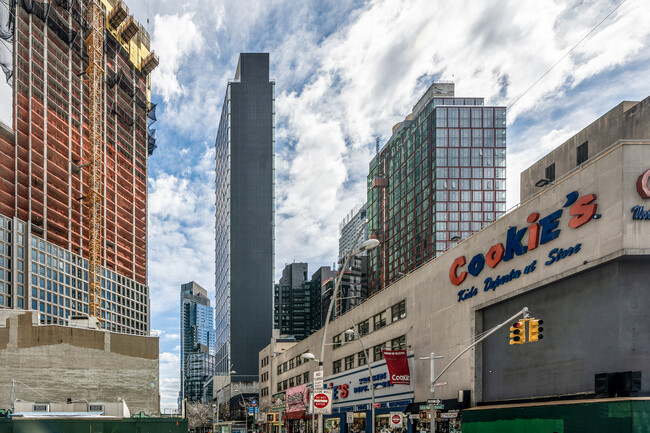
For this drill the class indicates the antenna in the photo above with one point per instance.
(377, 145)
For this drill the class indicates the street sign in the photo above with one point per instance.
(318, 375)
(440, 384)
(425, 407)
(253, 402)
(449, 415)
(434, 401)
(251, 410)
(318, 384)
(395, 419)
(323, 402)
(349, 417)
(439, 406)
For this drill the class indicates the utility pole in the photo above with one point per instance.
(432, 359)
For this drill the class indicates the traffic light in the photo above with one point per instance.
(518, 332)
(535, 330)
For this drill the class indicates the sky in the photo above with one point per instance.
(345, 73)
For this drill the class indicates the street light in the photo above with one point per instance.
(310, 357)
(363, 246)
(366, 355)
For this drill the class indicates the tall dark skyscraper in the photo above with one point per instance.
(245, 220)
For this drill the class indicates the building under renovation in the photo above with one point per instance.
(75, 135)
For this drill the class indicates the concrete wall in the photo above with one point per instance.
(593, 323)
(438, 321)
(628, 120)
(59, 362)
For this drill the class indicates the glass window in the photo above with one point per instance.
(398, 311)
(337, 341)
(377, 353)
(336, 366)
(349, 362)
(398, 343)
(362, 358)
(379, 320)
(364, 327)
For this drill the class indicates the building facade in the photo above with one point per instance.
(197, 343)
(575, 254)
(245, 219)
(439, 178)
(292, 302)
(43, 163)
(55, 363)
(349, 228)
(318, 279)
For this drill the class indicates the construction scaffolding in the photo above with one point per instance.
(81, 130)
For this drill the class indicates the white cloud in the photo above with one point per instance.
(345, 73)
(169, 379)
(176, 38)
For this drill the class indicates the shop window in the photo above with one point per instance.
(349, 362)
(398, 311)
(379, 320)
(336, 366)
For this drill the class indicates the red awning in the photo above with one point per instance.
(295, 415)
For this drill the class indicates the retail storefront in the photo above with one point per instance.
(297, 418)
(352, 401)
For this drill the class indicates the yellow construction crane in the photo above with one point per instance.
(94, 74)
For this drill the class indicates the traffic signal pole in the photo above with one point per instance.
(435, 378)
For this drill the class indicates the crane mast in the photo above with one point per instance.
(94, 74)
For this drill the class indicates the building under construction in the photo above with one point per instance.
(80, 109)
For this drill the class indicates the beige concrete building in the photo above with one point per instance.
(574, 252)
(53, 363)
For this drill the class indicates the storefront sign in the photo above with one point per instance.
(349, 417)
(519, 241)
(297, 398)
(449, 415)
(541, 231)
(642, 186)
(323, 402)
(353, 386)
(398, 367)
(395, 419)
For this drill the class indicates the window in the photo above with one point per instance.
(377, 353)
(337, 341)
(299, 380)
(279, 386)
(349, 362)
(291, 363)
(398, 311)
(549, 173)
(582, 153)
(379, 320)
(284, 384)
(364, 327)
(336, 366)
(398, 343)
(284, 367)
(279, 366)
(362, 358)
(291, 384)
(305, 377)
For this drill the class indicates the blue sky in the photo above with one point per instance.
(346, 72)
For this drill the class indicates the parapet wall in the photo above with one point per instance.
(54, 363)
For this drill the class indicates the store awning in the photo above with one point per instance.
(295, 415)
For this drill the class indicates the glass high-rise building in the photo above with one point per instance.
(245, 219)
(439, 178)
(197, 342)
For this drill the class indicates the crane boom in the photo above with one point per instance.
(94, 73)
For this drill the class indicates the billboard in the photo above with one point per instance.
(6, 62)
